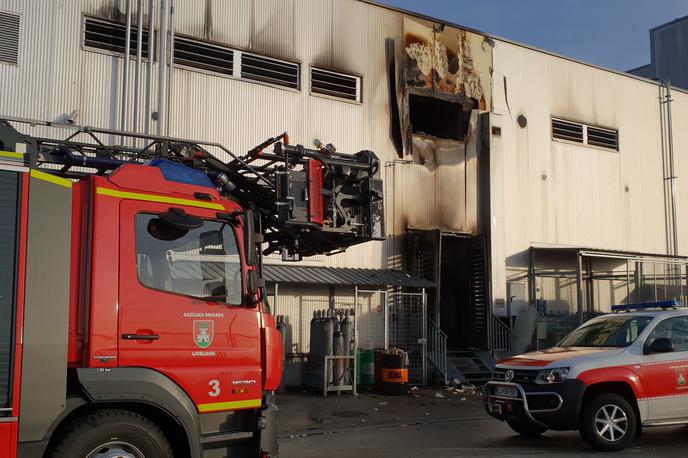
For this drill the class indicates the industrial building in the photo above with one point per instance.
(668, 46)
(524, 190)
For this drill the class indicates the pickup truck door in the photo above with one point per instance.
(168, 321)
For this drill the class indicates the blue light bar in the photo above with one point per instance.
(672, 304)
(173, 171)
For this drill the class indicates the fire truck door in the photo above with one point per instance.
(181, 293)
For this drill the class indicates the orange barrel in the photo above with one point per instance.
(394, 374)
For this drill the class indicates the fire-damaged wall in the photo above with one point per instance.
(444, 83)
(417, 86)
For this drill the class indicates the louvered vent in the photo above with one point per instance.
(111, 36)
(606, 138)
(336, 84)
(281, 73)
(206, 56)
(9, 38)
(567, 130)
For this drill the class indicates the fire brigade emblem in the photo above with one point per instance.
(681, 376)
(204, 331)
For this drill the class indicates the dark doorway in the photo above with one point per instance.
(457, 263)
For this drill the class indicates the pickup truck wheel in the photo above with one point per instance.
(112, 433)
(608, 422)
(526, 428)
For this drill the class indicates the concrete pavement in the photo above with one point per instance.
(426, 426)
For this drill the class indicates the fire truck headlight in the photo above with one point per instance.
(550, 376)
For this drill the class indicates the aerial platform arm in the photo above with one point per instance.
(309, 201)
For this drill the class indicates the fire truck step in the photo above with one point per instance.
(218, 439)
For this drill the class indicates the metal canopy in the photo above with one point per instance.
(280, 273)
(672, 278)
(607, 253)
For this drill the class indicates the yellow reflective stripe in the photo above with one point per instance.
(231, 405)
(12, 154)
(51, 178)
(160, 199)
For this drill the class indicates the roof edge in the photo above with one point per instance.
(522, 45)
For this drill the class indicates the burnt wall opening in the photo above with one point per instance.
(438, 118)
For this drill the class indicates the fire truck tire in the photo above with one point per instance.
(525, 428)
(608, 422)
(112, 432)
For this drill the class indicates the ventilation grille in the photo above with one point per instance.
(336, 84)
(111, 36)
(566, 130)
(606, 138)
(9, 38)
(280, 73)
(585, 134)
(192, 53)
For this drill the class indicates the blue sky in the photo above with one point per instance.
(610, 33)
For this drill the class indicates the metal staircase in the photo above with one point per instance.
(470, 365)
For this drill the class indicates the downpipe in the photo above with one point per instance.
(125, 69)
(666, 85)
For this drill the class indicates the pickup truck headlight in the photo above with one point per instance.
(550, 376)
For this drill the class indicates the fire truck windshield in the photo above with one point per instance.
(608, 331)
(203, 262)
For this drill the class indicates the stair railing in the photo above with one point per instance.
(437, 348)
(500, 338)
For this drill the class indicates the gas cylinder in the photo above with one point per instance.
(328, 341)
(338, 376)
(347, 332)
(347, 337)
(314, 333)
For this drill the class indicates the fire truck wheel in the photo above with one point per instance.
(608, 422)
(112, 433)
(526, 428)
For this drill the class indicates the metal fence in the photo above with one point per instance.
(407, 329)
(394, 319)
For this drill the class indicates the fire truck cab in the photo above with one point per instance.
(131, 320)
(608, 378)
(132, 316)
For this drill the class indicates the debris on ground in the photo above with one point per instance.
(414, 388)
(439, 395)
(383, 403)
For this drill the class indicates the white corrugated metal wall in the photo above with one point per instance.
(542, 191)
(546, 191)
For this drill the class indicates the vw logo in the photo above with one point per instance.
(509, 376)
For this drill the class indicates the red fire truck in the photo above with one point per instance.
(132, 317)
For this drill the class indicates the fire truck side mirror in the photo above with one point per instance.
(254, 283)
(250, 237)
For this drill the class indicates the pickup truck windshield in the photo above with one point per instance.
(610, 331)
(202, 262)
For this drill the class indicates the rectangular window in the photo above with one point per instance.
(111, 36)
(273, 71)
(336, 84)
(585, 134)
(206, 56)
(9, 38)
(9, 225)
(202, 262)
